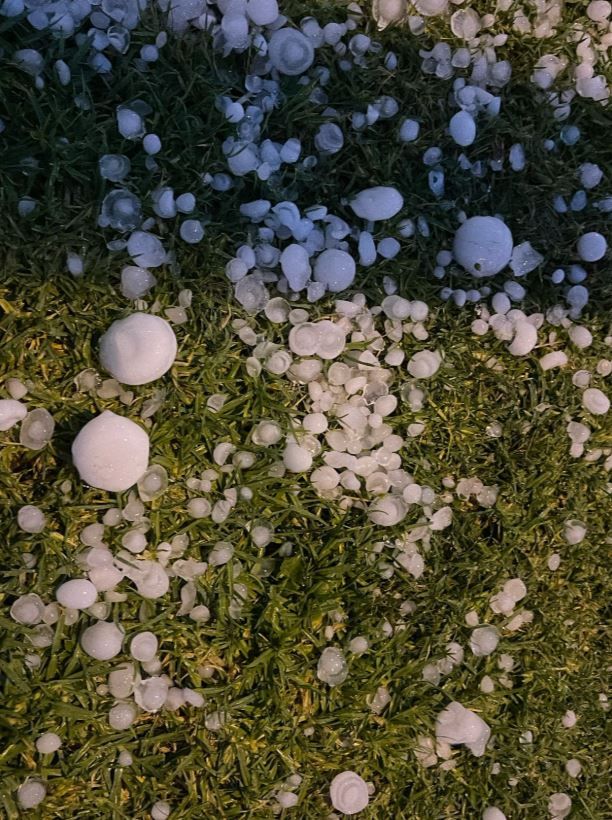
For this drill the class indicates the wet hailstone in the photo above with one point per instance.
(146, 250)
(160, 810)
(78, 593)
(378, 203)
(484, 640)
(111, 452)
(349, 793)
(595, 401)
(121, 716)
(36, 429)
(143, 647)
(138, 349)
(457, 725)
(483, 246)
(31, 519)
(102, 641)
(332, 667)
(31, 793)
(559, 805)
(493, 813)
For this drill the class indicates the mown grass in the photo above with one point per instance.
(266, 661)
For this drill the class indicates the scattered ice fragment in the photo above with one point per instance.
(153, 483)
(31, 793)
(102, 641)
(121, 210)
(111, 452)
(595, 401)
(78, 593)
(556, 358)
(525, 339)
(349, 793)
(329, 139)
(483, 245)
(462, 128)
(36, 429)
(129, 123)
(378, 203)
(290, 52)
(332, 667)
(31, 519)
(424, 364)
(48, 743)
(138, 349)
(592, 246)
(525, 259)
(457, 725)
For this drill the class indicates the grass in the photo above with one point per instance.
(266, 662)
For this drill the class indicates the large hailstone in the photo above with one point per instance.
(335, 269)
(138, 349)
(456, 725)
(290, 51)
(483, 245)
(102, 641)
(378, 203)
(349, 793)
(111, 452)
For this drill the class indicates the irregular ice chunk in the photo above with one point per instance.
(111, 452)
(129, 123)
(557, 358)
(378, 203)
(290, 52)
(138, 349)
(456, 725)
(525, 339)
(483, 245)
(348, 793)
(143, 647)
(28, 609)
(295, 265)
(329, 139)
(102, 641)
(31, 519)
(332, 667)
(387, 12)
(524, 259)
(136, 282)
(146, 250)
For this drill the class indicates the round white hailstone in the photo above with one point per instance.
(315, 423)
(31, 519)
(31, 793)
(592, 247)
(595, 401)
(559, 805)
(387, 511)
(331, 339)
(378, 203)
(48, 743)
(77, 594)
(262, 12)
(525, 339)
(359, 645)
(580, 336)
(136, 282)
(573, 767)
(483, 245)
(151, 694)
(557, 358)
(287, 799)
(332, 667)
(290, 52)
(462, 128)
(295, 264)
(484, 640)
(325, 478)
(335, 269)
(574, 531)
(349, 793)
(125, 759)
(121, 716)
(161, 810)
(102, 641)
(297, 459)
(304, 339)
(424, 364)
(599, 11)
(143, 647)
(138, 349)
(11, 412)
(266, 433)
(111, 452)
(493, 813)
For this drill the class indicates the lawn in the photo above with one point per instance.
(327, 574)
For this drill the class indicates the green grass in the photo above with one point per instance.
(266, 661)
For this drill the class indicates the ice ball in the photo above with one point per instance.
(483, 245)
(102, 641)
(349, 793)
(79, 593)
(138, 349)
(378, 203)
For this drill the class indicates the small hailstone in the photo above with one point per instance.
(592, 246)
(573, 767)
(151, 694)
(493, 813)
(332, 668)
(290, 52)
(151, 144)
(595, 401)
(77, 594)
(358, 645)
(554, 562)
(556, 358)
(335, 269)
(297, 459)
(111, 452)
(409, 130)
(121, 716)
(590, 175)
(125, 759)
(483, 245)
(161, 810)
(377, 203)
(580, 336)
(146, 250)
(457, 725)
(31, 519)
(424, 364)
(462, 128)
(191, 231)
(48, 743)
(487, 685)
(16, 389)
(102, 641)
(559, 805)
(136, 282)
(36, 429)
(329, 139)
(31, 793)
(349, 793)
(295, 264)
(143, 647)
(484, 640)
